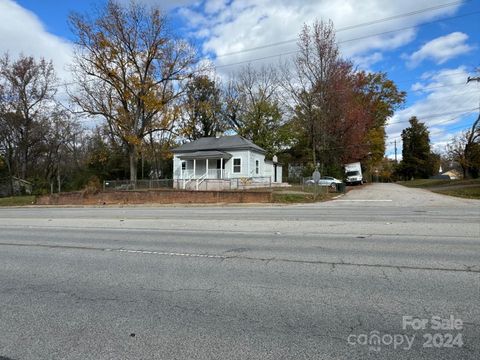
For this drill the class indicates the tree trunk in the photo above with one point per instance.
(9, 162)
(23, 171)
(314, 157)
(132, 153)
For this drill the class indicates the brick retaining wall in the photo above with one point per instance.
(156, 197)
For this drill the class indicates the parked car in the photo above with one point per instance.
(325, 181)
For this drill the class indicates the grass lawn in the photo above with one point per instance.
(469, 193)
(469, 188)
(428, 183)
(299, 194)
(17, 201)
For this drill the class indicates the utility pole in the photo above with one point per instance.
(477, 79)
(395, 150)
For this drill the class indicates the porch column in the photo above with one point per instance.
(221, 168)
(206, 170)
(194, 167)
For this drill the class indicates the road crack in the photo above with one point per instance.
(465, 269)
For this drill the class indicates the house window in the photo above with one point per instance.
(257, 165)
(237, 165)
(184, 166)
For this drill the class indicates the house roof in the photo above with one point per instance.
(210, 154)
(452, 172)
(223, 143)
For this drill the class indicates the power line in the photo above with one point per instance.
(349, 40)
(396, 82)
(456, 118)
(343, 41)
(350, 27)
(439, 131)
(438, 87)
(464, 111)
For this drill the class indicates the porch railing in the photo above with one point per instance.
(186, 181)
(209, 174)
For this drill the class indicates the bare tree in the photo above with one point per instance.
(308, 84)
(60, 147)
(129, 70)
(465, 150)
(28, 94)
(255, 110)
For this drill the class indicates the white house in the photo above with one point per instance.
(222, 162)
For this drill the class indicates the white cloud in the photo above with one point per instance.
(245, 24)
(214, 6)
(444, 105)
(365, 62)
(441, 49)
(22, 32)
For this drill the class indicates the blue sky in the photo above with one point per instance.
(427, 47)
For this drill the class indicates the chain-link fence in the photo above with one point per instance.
(245, 183)
(124, 185)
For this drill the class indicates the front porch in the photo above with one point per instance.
(203, 165)
(202, 169)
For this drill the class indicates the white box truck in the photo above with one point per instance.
(353, 173)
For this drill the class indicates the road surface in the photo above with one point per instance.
(314, 281)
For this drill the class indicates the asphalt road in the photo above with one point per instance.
(244, 282)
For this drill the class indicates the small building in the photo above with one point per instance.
(453, 174)
(223, 162)
(15, 186)
(448, 175)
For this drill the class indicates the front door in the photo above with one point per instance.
(220, 166)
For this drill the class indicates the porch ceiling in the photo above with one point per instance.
(205, 155)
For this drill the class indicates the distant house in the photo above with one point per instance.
(216, 161)
(15, 186)
(448, 175)
(453, 174)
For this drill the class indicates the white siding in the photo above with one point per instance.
(261, 164)
(248, 165)
(240, 154)
(270, 171)
(177, 167)
(279, 173)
